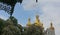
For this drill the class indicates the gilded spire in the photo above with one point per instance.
(37, 22)
(29, 23)
(51, 26)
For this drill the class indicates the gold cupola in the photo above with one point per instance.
(51, 26)
(37, 21)
(29, 22)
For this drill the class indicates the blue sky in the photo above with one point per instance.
(48, 10)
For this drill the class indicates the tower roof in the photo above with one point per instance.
(37, 16)
(51, 26)
(37, 21)
(29, 22)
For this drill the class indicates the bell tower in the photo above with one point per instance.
(37, 21)
(29, 22)
(51, 26)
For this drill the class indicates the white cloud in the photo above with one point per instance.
(52, 10)
(29, 4)
(2, 17)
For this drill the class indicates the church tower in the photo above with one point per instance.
(50, 30)
(51, 26)
(29, 22)
(37, 21)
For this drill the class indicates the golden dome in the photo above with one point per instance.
(37, 16)
(37, 22)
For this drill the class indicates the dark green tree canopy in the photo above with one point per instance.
(11, 3)
(11, 30)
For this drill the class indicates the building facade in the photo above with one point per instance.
(50, 30)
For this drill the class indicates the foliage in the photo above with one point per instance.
(12, 20)
(11, 30)
(8, 5)
(33, 30)
(1, 24)
(11, 27)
